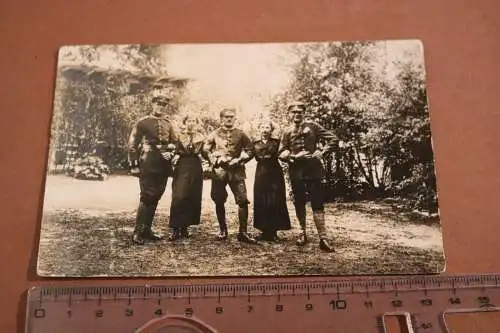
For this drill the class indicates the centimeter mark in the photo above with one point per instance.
(221, 290)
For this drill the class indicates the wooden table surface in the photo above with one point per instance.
(462, 47)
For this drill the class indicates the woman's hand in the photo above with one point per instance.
(175, 160)
(167, 155)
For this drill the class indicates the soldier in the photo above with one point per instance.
(150, 151)
(300, 149)
(229, 149)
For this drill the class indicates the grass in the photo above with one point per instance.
(370, 238)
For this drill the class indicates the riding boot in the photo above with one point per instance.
(140, 224)
(319, 220)
(243, 219)
(149, 234)
(220, 210)
(300, 211)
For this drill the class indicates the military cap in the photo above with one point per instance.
(226, 110)
(296, 106)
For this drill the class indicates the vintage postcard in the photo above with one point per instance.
(241, 160)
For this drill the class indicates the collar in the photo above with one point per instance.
(225, 130)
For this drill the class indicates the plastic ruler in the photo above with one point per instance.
(413, 304)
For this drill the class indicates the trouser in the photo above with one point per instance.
(219, 195)
(152, 188)
(315, 189)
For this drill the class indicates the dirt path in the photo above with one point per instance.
(87, 228)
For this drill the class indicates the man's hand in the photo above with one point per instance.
(221, 161)
(244, 156)
(302, 155)
(318, 154)
(285, 155)
(167, 155)
(135, 171)
(175, 159)
(235, 162)
(171, 146)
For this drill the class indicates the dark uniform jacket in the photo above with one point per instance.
(307, 138)
(148, 139)
(228, 144)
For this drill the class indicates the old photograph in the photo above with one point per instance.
(241, 159)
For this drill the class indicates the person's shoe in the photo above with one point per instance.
(137, 239)
(154, 237)
(245, 238)
(302, 240)
(185, 233)
(324, 246)
(264, 237)
(223, 235)
(175, 235)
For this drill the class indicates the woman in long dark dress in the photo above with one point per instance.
(270, 210)
(187, 184)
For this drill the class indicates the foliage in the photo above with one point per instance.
(96, 107)
(378, 110)
(89, 167)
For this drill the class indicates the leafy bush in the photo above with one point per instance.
(382, 119)
(89, 167)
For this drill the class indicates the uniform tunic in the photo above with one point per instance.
(307, 137)
(148, 139)
(228, 144)
(306, 173)
(270, 209)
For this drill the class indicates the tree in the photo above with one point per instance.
(381, 118)
(101, 91)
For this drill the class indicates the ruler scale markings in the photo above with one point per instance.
(480, 286)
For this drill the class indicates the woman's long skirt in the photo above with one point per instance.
(187, 187)
(270, 209)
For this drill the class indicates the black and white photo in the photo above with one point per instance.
(244, 159)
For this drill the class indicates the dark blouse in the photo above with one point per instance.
(266, 150)
(190, 144)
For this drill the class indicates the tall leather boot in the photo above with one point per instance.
(220, 210)
(319, 221)
(300, 211)
(149, 234)
(140, 224)
(243, 230)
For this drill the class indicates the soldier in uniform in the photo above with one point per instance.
(300, 148)
(151, 146)
(229, 149)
